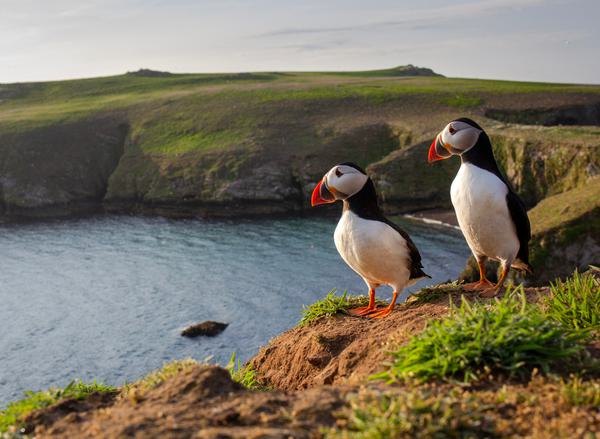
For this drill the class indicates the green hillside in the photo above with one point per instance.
(255, 143)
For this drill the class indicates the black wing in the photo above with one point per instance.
(518, 213)
(416, 267)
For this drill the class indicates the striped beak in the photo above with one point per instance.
(321, 195)
(437, 150)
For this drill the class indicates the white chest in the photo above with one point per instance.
(479, 199)
(373, 249)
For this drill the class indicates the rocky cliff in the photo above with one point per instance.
(215, 145)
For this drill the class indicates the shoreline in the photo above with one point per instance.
(440, 217)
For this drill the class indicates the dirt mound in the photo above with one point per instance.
(202, 402)
(346, 350)
(340, 349)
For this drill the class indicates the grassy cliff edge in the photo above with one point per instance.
(444, 364)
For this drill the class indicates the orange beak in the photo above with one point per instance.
(437, 151)
(321, 195)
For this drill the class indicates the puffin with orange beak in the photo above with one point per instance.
(492, 217)
(374, 247)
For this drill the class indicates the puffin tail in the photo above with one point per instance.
(523, 266)
(418, 273)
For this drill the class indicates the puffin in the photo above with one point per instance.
(491, 216)
(374, 247)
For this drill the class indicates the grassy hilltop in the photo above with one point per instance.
(222, 144)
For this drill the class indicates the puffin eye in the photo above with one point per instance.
(338, 173)
(451, 129)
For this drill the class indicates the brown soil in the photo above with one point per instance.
(340, 349)
(344, 349)
(202, 402)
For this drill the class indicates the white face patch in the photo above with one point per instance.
(344, 181)
(460, 136)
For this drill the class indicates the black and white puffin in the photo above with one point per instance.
(492, 217)
(374, 247)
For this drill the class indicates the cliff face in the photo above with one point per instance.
(59, 167)
(538, 163)
(545, 162)
(197, 144)
(566, 232)
(269, 171)
(257, 143)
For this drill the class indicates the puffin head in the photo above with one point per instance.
(340, 183)
(458, 137)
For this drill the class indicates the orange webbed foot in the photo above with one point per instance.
(495, 289)
(380, 313)
(478, 286)
(362, 311)
(488, 293)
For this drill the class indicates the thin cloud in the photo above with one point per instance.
(417, 19)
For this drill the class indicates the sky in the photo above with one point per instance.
(532, 40)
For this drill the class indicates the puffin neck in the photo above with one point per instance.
(364, 202)
(482, 156)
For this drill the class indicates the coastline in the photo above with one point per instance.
(444, 217)
(439, 217)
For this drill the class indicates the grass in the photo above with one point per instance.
(414, 413)
(576, 392)
(546, 406)
(34, 104)
(462, 101)
(15, 412)
(575, 302)
(555, 211)
(332, 305)
(432, 294)
(509, 337)
(243, 374)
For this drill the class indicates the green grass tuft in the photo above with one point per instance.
(431, 294)
(15, 412)
(243, 374)
(509, 336)
(332, 305)
(575, 302)
(576, 392)
(417, 413)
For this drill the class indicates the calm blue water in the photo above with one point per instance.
(105, 297)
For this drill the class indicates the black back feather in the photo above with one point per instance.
(364, 204)
(482, 156)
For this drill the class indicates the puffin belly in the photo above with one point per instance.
(374, 250)
(479, 199)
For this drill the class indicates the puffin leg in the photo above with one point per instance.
(483, 283)
(363, 310)
(495, 289)
(378, 314)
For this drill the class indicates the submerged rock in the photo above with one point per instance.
(207, 329)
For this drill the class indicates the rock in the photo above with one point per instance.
(148, 73)
(207, 329)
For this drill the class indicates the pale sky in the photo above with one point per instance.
(534, 40)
